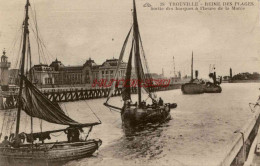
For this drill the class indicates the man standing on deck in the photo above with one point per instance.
(69, 133)
(73, 134)
(160, 102)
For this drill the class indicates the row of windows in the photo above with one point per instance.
(48, 80)
(74, 76)
(43, 68)
(110, 72)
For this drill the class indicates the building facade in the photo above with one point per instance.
(42, 74)
(89, 74)
(58, 74)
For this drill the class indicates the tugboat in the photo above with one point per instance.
(138, 114)
(36, 105)
(215, 86)
(195, 86)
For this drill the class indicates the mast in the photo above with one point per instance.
(25, 33)
(191, 66)
(137, 53)
(174, 72)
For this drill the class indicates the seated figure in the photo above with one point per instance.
(5, 142)
(16, 142)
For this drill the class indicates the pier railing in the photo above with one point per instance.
(9, 101)
(238, 151)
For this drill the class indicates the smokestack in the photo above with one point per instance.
(192, 66)
(196, 74)
(230, 73)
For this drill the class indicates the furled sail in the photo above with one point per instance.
(126, 93)
(118, 65)
(142, 78)
(138, 63)
(36, 104)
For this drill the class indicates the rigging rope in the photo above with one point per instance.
(73, 86)
(88, 132)
(113, 110)
(92, 111)
(13, 121)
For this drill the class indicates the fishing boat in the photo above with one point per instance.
(195, 86)
(138, 114)
(215, 86)
(37, 105)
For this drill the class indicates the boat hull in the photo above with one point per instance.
(192, 88)
(212, 89)
(60, 153)
(133, 117)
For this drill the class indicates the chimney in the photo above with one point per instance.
(230, 71)
(196, 74)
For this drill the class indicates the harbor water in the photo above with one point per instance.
(200, 132)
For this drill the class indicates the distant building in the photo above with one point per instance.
(108, 69)
(42, 74)
(59, 74)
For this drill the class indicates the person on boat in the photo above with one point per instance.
(11, 136)
(154, 103)
(43, 136)
(16, 143)
(22, 136)
(143, 104)
(5, 142)
(30, 138)
(160, 102)
(76, 134)
(69, 132)
(73, 134)
(127, 104)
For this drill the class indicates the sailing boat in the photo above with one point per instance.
(35, 104)
(195, 86)
(138, 114)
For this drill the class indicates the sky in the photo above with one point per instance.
(74, 31)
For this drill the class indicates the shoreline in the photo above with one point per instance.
(242, 81)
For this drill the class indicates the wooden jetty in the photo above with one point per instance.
(75, 94)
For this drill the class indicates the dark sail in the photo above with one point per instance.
(126, 93)
(138, 63)
(137, 53)
(37, 105)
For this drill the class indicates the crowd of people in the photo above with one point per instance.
(144, 105)
(14, 142)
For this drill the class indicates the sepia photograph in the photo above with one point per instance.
(129, 83)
